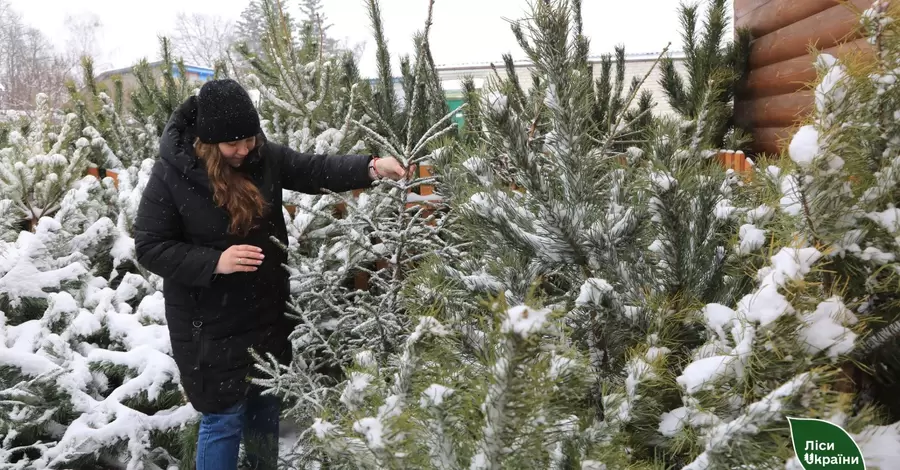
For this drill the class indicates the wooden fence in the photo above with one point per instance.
(782, 65)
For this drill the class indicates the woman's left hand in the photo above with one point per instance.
(389, 167)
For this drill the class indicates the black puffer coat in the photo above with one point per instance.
(180, 233)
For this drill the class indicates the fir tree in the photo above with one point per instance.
(714, 71)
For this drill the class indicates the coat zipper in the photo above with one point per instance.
(198, 338)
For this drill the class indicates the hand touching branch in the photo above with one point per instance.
(390, 168)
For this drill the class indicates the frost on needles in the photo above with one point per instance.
(710, 305)
(378, 237)
(822, 252)
(526, 385)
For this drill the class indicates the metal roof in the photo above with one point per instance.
(189, 68)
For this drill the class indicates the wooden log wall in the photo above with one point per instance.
(777, 94)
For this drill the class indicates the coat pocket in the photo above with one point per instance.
(196, 295)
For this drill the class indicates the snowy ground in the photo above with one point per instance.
(288, 435)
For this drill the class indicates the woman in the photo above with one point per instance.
(205, 224)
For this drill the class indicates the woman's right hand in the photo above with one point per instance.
(239, 258)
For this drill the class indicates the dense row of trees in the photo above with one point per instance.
(590, 288)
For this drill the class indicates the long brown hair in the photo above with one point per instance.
(232, 190)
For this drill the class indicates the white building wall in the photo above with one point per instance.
(640, 69)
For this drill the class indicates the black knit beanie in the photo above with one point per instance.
(225, 112)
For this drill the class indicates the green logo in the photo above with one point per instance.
(823, 445)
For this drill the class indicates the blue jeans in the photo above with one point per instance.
(255, 419)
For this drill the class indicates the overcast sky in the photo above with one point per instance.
(463, 30)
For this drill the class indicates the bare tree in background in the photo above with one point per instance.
(29, 64)
(251, 27)
(356, 49)
(202, 39)
(84, 35)
(84, 40)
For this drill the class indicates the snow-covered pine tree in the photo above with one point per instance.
(814, 336)
(383, 235)
(715, 68)
(264, 25)
(118, 138)
(681, 258)
(577, 215)
(42, 161)
(128, 142)
(612, 103)
(305, 97)
(87, 378)
(518, 404)
(524, 243)
(877, 201)
(10, 120)
(630, 243)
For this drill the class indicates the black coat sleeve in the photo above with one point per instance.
(158, 240)
(306, 173)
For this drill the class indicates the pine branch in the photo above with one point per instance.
(615, 129)
(387, 99)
